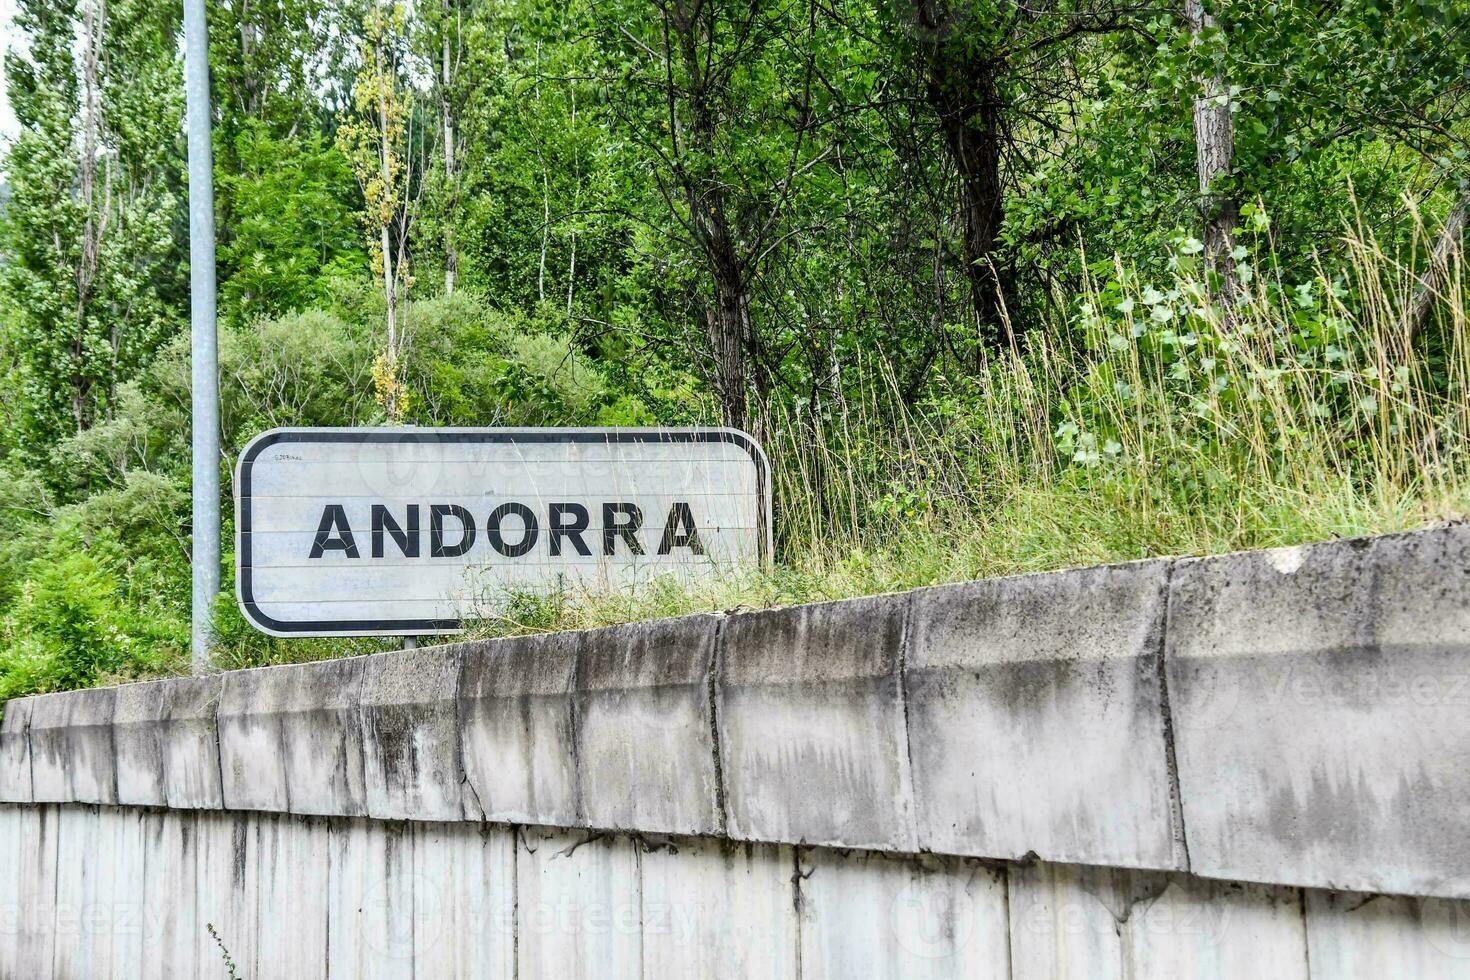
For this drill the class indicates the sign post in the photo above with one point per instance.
(408, 532)
(204, 368)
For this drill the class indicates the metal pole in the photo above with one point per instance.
(202, 332)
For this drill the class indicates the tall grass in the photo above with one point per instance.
(1148, 419)
(1150, 422)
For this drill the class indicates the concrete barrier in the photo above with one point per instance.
(1036, 721)
(189, 743)
(137, 715)
(73, 759)
(811, 725)
(645, 757)
(1070, 921)
(15, 752)
(291, 739)
(165, 744)
(1321, 698)
(410, 735)
(1292, 718)
(516, 729)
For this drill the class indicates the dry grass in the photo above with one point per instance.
(1150, 425)
(1145, 425)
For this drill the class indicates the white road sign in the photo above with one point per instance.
(406, 531)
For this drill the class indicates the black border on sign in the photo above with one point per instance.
(409, 627)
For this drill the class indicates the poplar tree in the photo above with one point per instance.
(375, 140)
(92, 266)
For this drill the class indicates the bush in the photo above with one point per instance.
(75, 623)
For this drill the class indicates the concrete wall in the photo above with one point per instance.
(1295, 718)
(128, 892)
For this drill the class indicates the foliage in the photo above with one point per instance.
(1139, 429)
(944, 258)
(372, 141)
(231, 970)
(293, 223)
(98, 587)
(90, 263)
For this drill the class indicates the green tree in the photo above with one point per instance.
(718, 95)
(376, 140)
(294, 223)
(92, 270)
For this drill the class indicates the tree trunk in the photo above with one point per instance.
(728, 316)
(390, 280)
(974, 147)
(1427, 291)
(451, 253)
(961, 89)
(390, 272)
(390, 295)
(93, 15)
(545, 229)
(727, 319)
(251, 81)
(1214, 142)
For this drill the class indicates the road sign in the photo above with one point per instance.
(408, 531)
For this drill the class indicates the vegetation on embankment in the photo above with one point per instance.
(1148, 425)
(1145, 423)
(963, 265)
